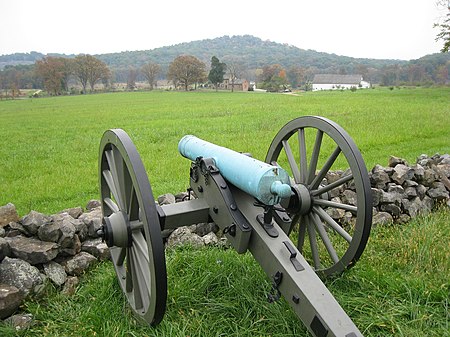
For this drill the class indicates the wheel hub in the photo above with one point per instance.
(116, 230)
(300, 202)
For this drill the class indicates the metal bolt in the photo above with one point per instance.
(233, 207)
(295, 299)
(215, 210)
(200, 189)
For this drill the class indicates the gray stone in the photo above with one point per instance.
(96, 248)
(8, 213)
(410, 183)
(429, 177)
(74, 212)
(379, 178)
(76, 265)
(444, 169)
(349, 197)
(67, 230)
(70, 286)
(392, 209)
(32, 221)
(416, 206)
(394, 161)
(73, 248)
(14, 226)
(418, 172)
(49, 232)
(402, 173)
(377, 194)
(204, 228)
(20, 322)
(382, 218)
(4, 249)
(20, 274)
(93, 221)
(410, 192)
(210, 239)
(32, 250)
(55, 273)
(10, 300)
(93, 204)
(2, 232)
(438, 191)
(335, 213)
(166, 199)
(421, 191)
(183, 236)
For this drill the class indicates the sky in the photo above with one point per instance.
(380, 29)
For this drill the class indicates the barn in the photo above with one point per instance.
(337, 82)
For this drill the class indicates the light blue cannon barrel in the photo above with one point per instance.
(265, 182)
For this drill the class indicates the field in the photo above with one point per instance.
(49, 146)
(48, 162)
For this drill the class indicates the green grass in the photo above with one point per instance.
(399, 288)
(48, 162)
(49, 146)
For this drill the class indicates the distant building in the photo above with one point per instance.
(337, 82)
(239, 84)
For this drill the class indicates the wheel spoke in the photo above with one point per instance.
(313, 242)
(303, 160)
(301, 233)
(292, 161)
(121, 257)
(129, 276)
(327, 203)
(333, 185)
(315, 156)
(110, 182)
(133, 205)
(141, 257)
(137, 290)
(333, 224)
(325, 239)
(111, 204)
(318, 179)
(115, 163)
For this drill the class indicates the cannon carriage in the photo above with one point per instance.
(259, 206)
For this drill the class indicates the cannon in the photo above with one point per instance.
(258, 205)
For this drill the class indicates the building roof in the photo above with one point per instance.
(336, 79)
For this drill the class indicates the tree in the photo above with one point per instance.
(150, 72)
(273, 77)
(53, 72)
(89, 69)
(234, 69)
(186, 70)
(444, 26)
(131, 78)
(217, 71)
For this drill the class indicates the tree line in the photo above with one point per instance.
(61, 74)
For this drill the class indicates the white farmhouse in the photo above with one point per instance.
(337, 82)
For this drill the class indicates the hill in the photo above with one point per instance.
(252, 53)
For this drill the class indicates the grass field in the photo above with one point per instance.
(49, 146)
(48, 162)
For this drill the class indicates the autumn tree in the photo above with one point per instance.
(54, 74)
(186, 70)
(89, 69)
(217, 72)
(150, 71)
(273, 77)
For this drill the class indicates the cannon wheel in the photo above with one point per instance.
(336, 240)
(131, 227)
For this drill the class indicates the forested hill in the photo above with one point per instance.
(247, 50)
(251, 53)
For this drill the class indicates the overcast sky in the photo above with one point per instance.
(393, 29)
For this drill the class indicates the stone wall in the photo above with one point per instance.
(38, 249)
